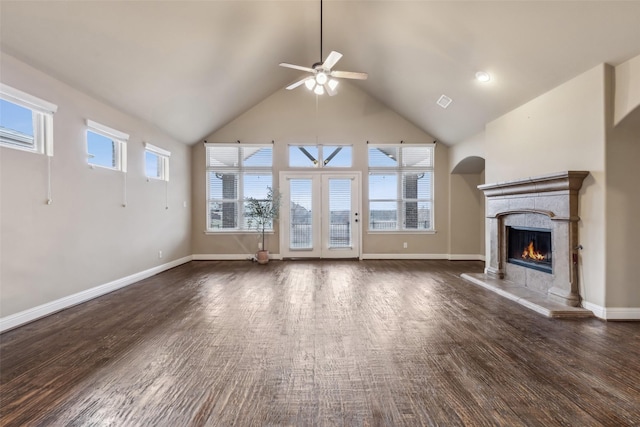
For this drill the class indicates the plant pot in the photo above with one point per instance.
(262, 257)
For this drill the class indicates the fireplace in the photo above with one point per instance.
(533, 234)
(530, 248)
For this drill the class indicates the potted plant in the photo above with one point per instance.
(261, 213)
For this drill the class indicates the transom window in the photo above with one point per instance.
(106, 147)
(156, 162)
(26, 122)
(234, 173)
(401, 187)
(314, 156)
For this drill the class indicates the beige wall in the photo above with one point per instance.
(85, 238)
(352, 117)
(467, 214)
(627, 92)
(563, 129)
(623, 205)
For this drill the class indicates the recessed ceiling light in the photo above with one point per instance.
(444, 101)
(483, 76)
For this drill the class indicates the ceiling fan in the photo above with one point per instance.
(323, 79)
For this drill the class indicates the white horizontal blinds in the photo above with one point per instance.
(301, 213)
(26, 121)
(235, 172)
(340, 233)
(401, 187)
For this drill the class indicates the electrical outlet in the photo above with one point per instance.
(404, 245)
(259, 246)
(159, 254)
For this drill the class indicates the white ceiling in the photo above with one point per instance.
(191, 67)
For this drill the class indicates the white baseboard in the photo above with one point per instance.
(35, 313)
(466, 257)
(229, 257)
(613, 313)
(404, 256)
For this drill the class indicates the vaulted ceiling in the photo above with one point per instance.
(189, 67)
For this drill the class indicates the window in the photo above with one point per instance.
(401, 187)
(312, 156)
(26, 122)
(234, 173)
(106, 147)
(156, 162)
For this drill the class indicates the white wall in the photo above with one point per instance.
(563, 129)
(85, 238)
(351, 117)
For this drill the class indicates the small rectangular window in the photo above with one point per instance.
(106, 147)
(26, 122)
(156, 162)
(327, 156)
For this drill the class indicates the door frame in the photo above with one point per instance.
(284, 215)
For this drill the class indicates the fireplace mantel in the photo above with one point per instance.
(546, 202)
(561, 181)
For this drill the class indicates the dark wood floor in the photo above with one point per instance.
(317, 343)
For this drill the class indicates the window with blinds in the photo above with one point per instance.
(26, 122)
(235, 172)
(401, 187)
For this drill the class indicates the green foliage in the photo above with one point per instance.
(262, 212)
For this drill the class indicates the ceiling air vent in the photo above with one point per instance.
(444, 101)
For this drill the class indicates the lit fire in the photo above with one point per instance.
(530, 252)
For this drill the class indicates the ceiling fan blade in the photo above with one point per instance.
(297, 67)
(331, 60)
(349, 75)
(298, 83)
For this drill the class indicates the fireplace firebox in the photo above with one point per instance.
(530, 247)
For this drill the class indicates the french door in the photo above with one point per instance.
(320, 215)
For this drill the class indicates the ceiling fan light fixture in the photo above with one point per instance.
(310, 83)
(321, 78)
(319, 90)
(333, 83)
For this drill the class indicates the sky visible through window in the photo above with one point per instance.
(152, 165)
(16, 117)
(101, 150)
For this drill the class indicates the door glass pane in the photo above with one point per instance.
(339, 213)
(300, 219)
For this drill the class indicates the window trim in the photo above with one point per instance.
(164, 156)
(399, 170)
(119, 138)
(240, 170)
(42, 113)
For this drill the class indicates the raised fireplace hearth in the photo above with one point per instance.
(533, 236)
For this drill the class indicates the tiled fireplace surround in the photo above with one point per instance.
(547, 202)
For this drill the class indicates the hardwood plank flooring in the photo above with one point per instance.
(315, 343)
